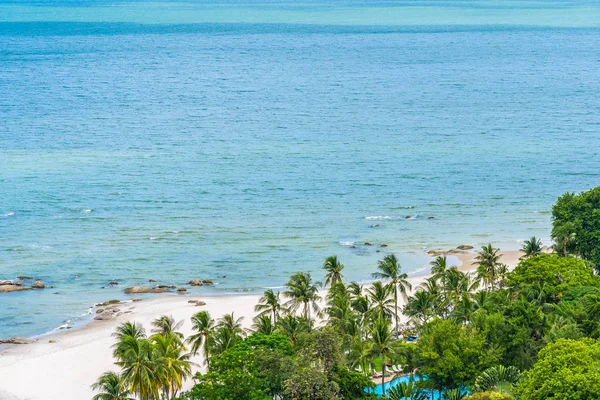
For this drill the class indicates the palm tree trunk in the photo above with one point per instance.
(382, 376)
(396, 306)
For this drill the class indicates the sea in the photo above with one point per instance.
(241, 141)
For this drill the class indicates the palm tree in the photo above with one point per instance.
(456, 283)
(497, 379)
(232, 324)
(269, 303)
(227, 334)
(420, 307)
(138, 365)
(360, 355)
(110, 387)
(439, 266)
(302, 293)
(487, 265)
(292, 325)
(532, 247)
(334, 270)
(126, 330)
(263, 323)
(165, 325)
(407, 391)
(381, 336)
(172, 362)
(381, 302)
(389, 268)
(204, 325)
(453, 394)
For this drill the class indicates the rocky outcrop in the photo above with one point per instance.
(197, 303)
(38, 285)
(384, 245)
(195, 282)
(113, 283)
(207, 282)
(464, 247)
(144, 289)
(24, 278)
(166, 286)
(10, 286)
(16, 340)
(182, 289)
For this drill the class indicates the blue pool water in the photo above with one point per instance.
(433, 394)
(250, 139)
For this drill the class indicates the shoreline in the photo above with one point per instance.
(67, 362)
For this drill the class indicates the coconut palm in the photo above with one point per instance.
(227, 334)
(381, 337)
(232, 324)
(406, 391)
(360, 355)
(171, 362)
(302, 294)
(497, 379)
(464, 309)
(381, 303)
(389, 268)
(110, 387)
(138, 365)
(334, 270)
(126, 330)
(532, 247)
(487, 265)
(292, 326)
(420, 307)
(263, 323)
(456, 283)
(165, 325)
(439, 266)
(269, 303)
(203, 325)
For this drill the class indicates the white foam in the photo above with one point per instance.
(8, 214)
(347, 243)
(384, 217)
(86, 211)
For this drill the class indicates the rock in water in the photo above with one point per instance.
(464, 247)
(16, 340)
(182, 289)
(38, 285)
(144, 289)
(195, 282)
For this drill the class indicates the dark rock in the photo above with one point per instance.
(430, 217)
(195, 282)
(207, 282)
(6, 283)
(166, 286)
(352, 247)
(38, 285)
(16, 340)
(464, 247)
(99, 311)
(113, 283)
(144, 289)
(368, 244)
(24, 278)
(136, 300)
(51, 341)
(151, 280)
(182, 289)
(200, 303)
(384, 245)
(12, 288)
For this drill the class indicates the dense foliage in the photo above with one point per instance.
(528, 334)
(576, 225)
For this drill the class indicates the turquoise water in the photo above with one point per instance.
(243, 141)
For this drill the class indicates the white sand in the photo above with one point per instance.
(65, 370)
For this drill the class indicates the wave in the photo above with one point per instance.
(8, 214)
(346, 243)
(86, 211)
(389, 217)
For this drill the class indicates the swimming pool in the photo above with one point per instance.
(433, 394)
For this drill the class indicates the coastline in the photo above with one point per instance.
(64, 364)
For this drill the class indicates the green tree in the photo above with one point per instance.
(302, 294)
(263, 323)
(452, 355)
(382, 305)
(171, 362)
(389, 268)
(269, 303)
(498, 378)
(551, 274)
(334, 271)
(566, 369)
(487, 265)
(382, 339)
(407, 391)
(204, 326)
(110, 387)
(576, 224)
(489, 396)
(532, 247)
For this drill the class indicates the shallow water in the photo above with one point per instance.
(183, 140)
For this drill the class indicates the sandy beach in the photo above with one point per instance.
(64, 365)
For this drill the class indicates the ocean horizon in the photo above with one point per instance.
(242, 142)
